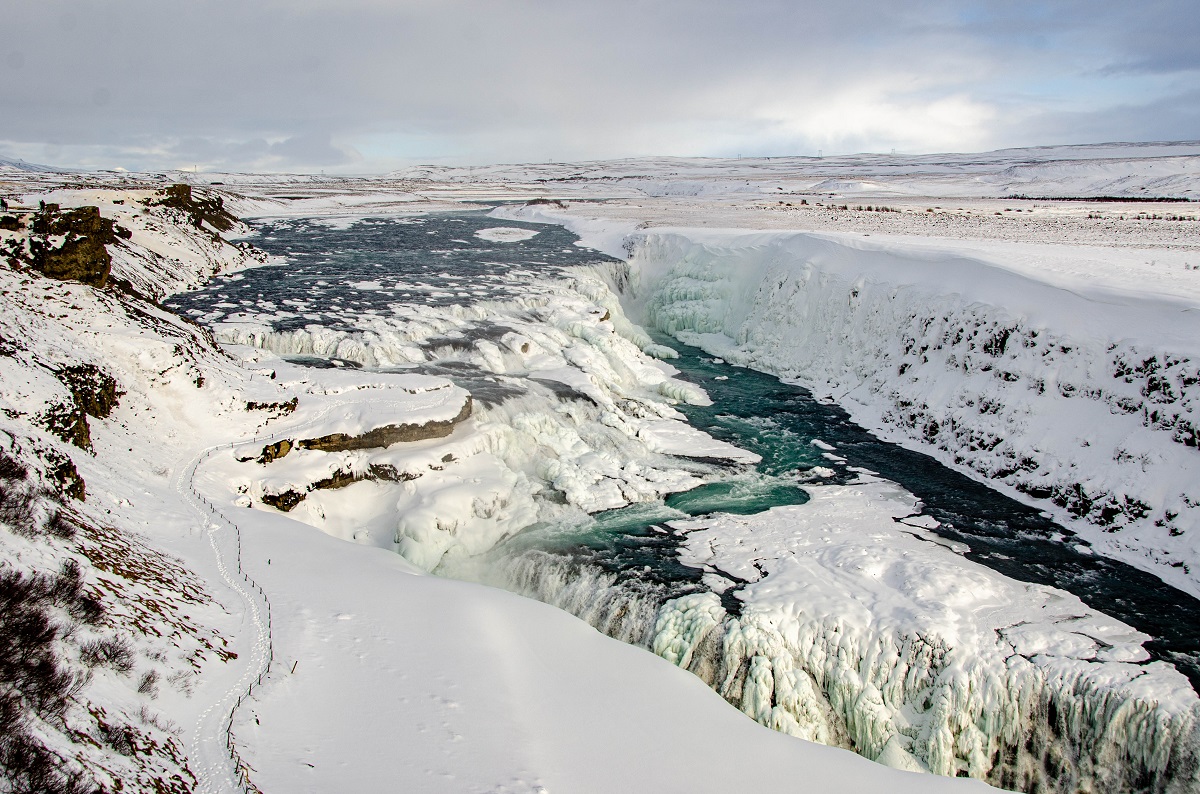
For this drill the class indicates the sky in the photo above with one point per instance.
(365, 86)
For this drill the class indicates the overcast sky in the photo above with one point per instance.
(361, 86)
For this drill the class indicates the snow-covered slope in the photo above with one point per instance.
(86, 376)
(1079, 398)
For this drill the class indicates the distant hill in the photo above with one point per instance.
(8, 164)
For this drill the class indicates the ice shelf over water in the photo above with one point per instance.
(860, 630)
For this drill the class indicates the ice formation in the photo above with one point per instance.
(828, 621)
(857, 629)
(505, 234)
(424, 683)
(569, 416)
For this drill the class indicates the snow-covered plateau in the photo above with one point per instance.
(199, 483)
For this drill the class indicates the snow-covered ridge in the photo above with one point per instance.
(158, 250)
(86, 376)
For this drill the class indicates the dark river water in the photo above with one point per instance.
(436, 260)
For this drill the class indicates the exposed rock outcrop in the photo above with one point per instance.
(275, 451)
(283, 407)
(93, 392)
(68, 245)
(376, 438)
(283, 501)
(387, 435)
(286, 500)
(199, 211)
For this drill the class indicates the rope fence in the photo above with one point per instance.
(241, 768)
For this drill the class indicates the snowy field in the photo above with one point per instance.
(1049, 352)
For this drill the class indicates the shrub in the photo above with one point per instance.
(11, 469)
(148, 684)
(34, 684)
(17, 509)
(119, 737)
(111, 652)
(68, 592)
(60, 526)
(28, 767)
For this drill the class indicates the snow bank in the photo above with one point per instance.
(677, 438)
(417, 683)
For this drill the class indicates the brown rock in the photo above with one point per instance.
(388, 434)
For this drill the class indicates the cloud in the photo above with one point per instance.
(361, 85)
(1173, 117)
(309, 151)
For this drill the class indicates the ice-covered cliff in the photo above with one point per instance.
(857, 628)
(1061, 386)
(847, 621)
